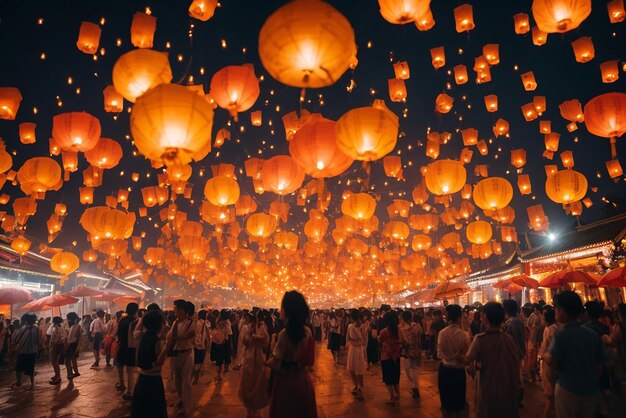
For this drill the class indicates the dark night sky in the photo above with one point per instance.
(238, 22)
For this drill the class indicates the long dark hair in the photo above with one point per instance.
(296, 311)
(391, 322)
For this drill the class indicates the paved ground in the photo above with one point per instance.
(95, 396)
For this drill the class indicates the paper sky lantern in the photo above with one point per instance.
(85, 195)
(359, 206)
(397, 90)
(551, 141)
(142, 30)
(443, 103)
(396, 231)
(528, 80)
(314, 148)
(140, 70)
(256, 118)
(39, 174)
(401, 70)
(493, 193)
(235, 88)
(445, 177)
(421, 242)
(403, 11)
(492, 53)
(464, 18)
(64, 263)
(281, 175)
(76, 131)
(523, 183)
(426, 21)
(605, 116)
(307, 43)
(261, 225)
(614, 168)
(21, 244)
(438, 57)
(6, 161)
(367, 133)
(172, 124)
(106, 154)
(521, 23)
(478, 232)
(616, 11)
(518, 158)
(460, 74)
(470, 136)
(315, 229)
(105, 223)
(558, 16)
(88, 37)
(491, 103)
(27, 133)
(202, 9)
(221, 191)
(566, 186)
(10, 99)
(610, 71)
(113, 101)
(539, 37)
(583, 49)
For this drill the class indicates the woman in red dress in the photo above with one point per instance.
(292, 393)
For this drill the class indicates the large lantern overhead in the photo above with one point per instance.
(76, 131)
(307, 43)
(444, 177)
(235, 88)
(566, 186)
(140, 70)
(105, 223)
(222, 190)
(64, 263)
(106, 154)
(368, 133)
(359, 206)
(605, 116)
(314, 148)
(493, 193)
(172, 124)
(39, 174)
(281, 175)
(478, 232)
(403, 11)
(261, 225)
(558, 16)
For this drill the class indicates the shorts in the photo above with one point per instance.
(198, 356)
(26, 363)
(218, 354)
(452, 387)
(391, 371)
(97, 340)
(72, 351)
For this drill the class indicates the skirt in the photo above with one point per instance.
(217, 353)
(391, 371)
(334, 342)
(26, 363)
(149, 398)
(356, 360)
(451, 382)
(198, 356)
(293, 395)
(373, 351)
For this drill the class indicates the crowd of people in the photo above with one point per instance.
(576, 352)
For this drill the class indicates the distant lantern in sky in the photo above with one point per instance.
(10, 99)
(583, 49)
(426, 21)
(566, 186)
(172, 124)
(464, 18)
(113, 101)
(401, 70)
(281, 175)
(521, 23)
(221, 191)
(605, 116)
(492, 193)
(438, 57)
(140, 70)
(307, 43)
(558, 16)
(444, 177)
(27, 132)
(492, 53)
(142, 30)
(202, 9)
(359, 206)
(261, 225)
(235, 88)
(76, 131)
(528, 80)
(88, 37)
(478, 232)
(491, 103)
(403, 11)
(616, 11)
(368, 133)
(443, 103)
(609, 71)
(106, 154)
(539, 37)
(460, 74)
(314, 148)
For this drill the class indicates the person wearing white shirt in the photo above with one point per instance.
(181, 343)
(96, 329)
(200, 345)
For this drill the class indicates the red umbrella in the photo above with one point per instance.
(525, 281)
(613, 278)
(502, 284)
(82, 291)
(13, 295)
(560, 278)
(508, 286)
(49, 302)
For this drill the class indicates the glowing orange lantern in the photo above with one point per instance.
(460, 74)
(616, 11)
(478, 232)
(307, 43)
(86, 195)
(470, 136)
(521, 23)
(397, 90)
(88, 37)
(552, 141)
(605, 116)
(202, 9)
(443, 103)
(105, 155)
(140, 70)
(39, 174)
(314, 148)
(529, 82)
(103, 222)
(558, 16)
(614, 168)
(491, 103)
(421, 242)
(76, 131)
(567, 158)
(529, 112)
(492, 53)
(235, 88)
(523, 183)
(367, 133)
(545, 126)
(539, 37)
(360, 206)
(10, 99)
(172, 124)
(566, 186)
(518, 158)
(403, 11)
(221, 191)
(281, 175)
(401, 70)
(27, 133)
(492, 193)
(142, 30)
(438, 57)
(501, 127)
(444, 177)
(21, 244)
(261, 225)
(113, 101)
(583, 49)
(256, 118)
(426, 21)
(610, 71)
(464, 18)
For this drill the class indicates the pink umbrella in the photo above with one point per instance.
(13, 295)
(82, 291)
(49, 302)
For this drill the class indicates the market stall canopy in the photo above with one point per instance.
(82, 291)
(49, 302)
(13, 295)
(613, 278)
(563, 277)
